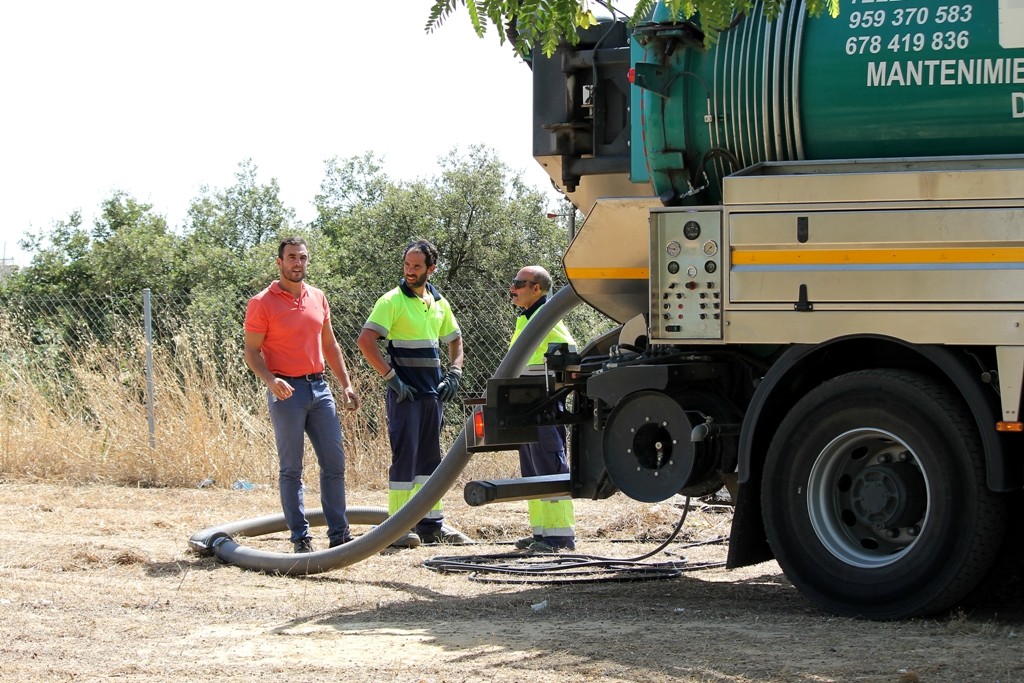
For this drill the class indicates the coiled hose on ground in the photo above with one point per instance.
(219, 540)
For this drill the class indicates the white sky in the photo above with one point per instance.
(160, 98)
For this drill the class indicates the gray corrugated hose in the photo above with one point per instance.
(219, 539)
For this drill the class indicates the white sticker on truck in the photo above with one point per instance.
(1011, 23)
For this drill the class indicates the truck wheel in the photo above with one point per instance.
(874, 497)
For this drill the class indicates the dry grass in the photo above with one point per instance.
(97, 583)
(90, 423)
(96, 580)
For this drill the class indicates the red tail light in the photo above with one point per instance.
(478, 424)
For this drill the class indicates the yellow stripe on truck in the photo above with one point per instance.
(608, 273)
(747, 257)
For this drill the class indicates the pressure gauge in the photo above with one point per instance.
(710, 248)
(691, 230)
(673, 249)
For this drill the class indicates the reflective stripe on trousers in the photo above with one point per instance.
(550, 517)
(414, 429)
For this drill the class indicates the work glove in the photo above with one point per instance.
(402, 390)
(449, 385)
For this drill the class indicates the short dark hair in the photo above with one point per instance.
(296, 241)
(542, 278)
(428, 250)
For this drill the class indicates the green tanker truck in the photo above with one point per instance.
(811, 237)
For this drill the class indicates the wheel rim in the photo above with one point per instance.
(868, 497)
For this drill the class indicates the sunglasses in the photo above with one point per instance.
(519, 284)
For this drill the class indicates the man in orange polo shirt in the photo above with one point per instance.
(288, 337)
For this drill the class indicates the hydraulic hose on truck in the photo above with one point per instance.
(219, 540)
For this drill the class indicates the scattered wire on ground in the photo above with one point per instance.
(564, 568)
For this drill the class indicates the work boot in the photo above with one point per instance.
(303, 545)
(541, 547)
(525, 543)
(444, 536)
(410, 540)
(546, 546)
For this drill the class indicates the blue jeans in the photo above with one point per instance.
(310, 410)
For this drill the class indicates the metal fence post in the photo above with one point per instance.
(148, 322)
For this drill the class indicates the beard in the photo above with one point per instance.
(417, 282)
(293, 276)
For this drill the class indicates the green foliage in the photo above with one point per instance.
(252, 213)
(232, 234)
(532, 24)
(476, 211)
(129, 248)
(717, 16)
(353, 218)
(243, 215)
(58, 260)
(485, 220)
(484, 215)
(132, 248)
(223, 257)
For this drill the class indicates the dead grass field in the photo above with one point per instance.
(97, 583)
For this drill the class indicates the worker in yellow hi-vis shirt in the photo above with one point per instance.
(416, 321)
(552, 519)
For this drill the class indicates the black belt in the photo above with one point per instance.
(312, 377)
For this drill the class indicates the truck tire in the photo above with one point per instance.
(874, 497)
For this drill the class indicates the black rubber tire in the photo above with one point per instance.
(849, 453)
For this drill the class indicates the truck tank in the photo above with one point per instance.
(885, 80)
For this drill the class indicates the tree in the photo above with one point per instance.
(529, 24)
(132, 248)
(477, 212)
(58, 263)
(357, 216)
(227, 255)
(227, 233)
(483, 218)
(129, 248)
(242, 216)
(485, 213)
(80, 285)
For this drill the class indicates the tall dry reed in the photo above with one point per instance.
(83, 417)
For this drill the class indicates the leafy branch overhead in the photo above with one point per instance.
(543, 24)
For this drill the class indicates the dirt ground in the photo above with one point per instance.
(98, 582)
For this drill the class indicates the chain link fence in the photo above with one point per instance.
(78, 369)
(39, 328)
